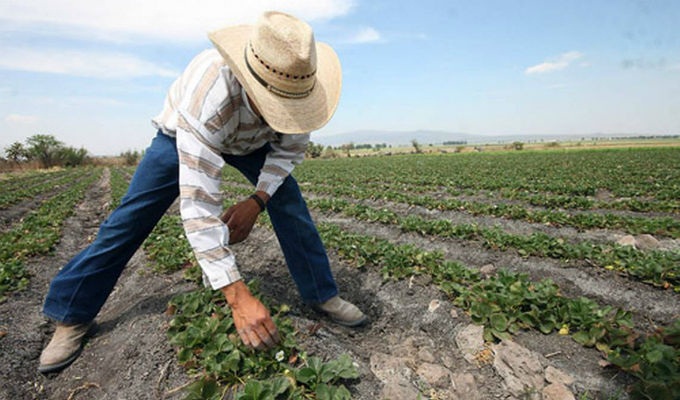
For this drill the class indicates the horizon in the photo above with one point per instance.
(93, 75)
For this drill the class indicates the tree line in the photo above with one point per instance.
(47, 151)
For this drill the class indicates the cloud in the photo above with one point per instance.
(365, 35)
(559, 63)
(134, 20)
(82, 63)
(21, 119)
(644, 63)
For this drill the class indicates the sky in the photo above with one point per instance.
(93, 74)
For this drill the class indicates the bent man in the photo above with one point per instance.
(250, 103)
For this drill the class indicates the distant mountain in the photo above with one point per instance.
(397, 138)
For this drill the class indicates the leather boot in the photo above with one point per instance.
(342, 312)
(64, 348)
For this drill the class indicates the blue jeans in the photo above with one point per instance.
(80, 289)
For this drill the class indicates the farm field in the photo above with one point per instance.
(509, 275)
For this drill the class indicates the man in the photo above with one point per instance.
(249, 103)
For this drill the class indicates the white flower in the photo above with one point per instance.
(279, 356)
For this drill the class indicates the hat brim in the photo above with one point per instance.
(283, 114)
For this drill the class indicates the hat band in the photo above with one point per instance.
(274, 89)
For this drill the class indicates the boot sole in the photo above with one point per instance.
(352, 324)
(46, 369)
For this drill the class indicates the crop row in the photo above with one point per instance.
(660, 226)
(652, 173)
(166, 246)
(38, 233)
(587, 203)
(12, 181)
(120, 180)
(533, 198)
(660, 268)
(33, 185)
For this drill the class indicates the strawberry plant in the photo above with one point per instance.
(655, 361)
(208, 345)
(168, 247)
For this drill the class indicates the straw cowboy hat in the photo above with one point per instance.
(294, 81)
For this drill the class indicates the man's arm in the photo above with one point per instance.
(287, 151)
(200, 206)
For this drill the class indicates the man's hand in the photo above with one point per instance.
(241, 217)
(251, 318)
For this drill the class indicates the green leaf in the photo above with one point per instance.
(343, 367)
(305, 375)
(546, 327)
(501, 335)
(499, 322)
(204, 389)
(329, 392)
(279, 385)
(581, 337)
(654, 356)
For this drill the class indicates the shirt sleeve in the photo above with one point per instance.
(200, 171)
(287, 151)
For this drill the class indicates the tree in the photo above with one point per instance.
(347, 147)
(329, 152)
(16, 152)
(313, 150)
(518, 145)
(44, 148)
(71, 157)
(131, 157)
(416, 146)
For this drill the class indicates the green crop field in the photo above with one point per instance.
(610, 217)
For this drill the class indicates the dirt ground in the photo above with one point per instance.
(411, 347)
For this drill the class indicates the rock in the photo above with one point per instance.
(554, 375)
(435, 375)
(519, 367)
(603, 195)
(395, 376)
(454, 313)
(646, 242)
(628, 240)
(425, 355)
(557, 391)
(448, 361)
(470, 341)
(488, 269)
(420, 280)
(434, 305)
(464, 387)
(407, 348)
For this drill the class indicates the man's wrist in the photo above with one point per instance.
(234, 291)
(258, 200)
